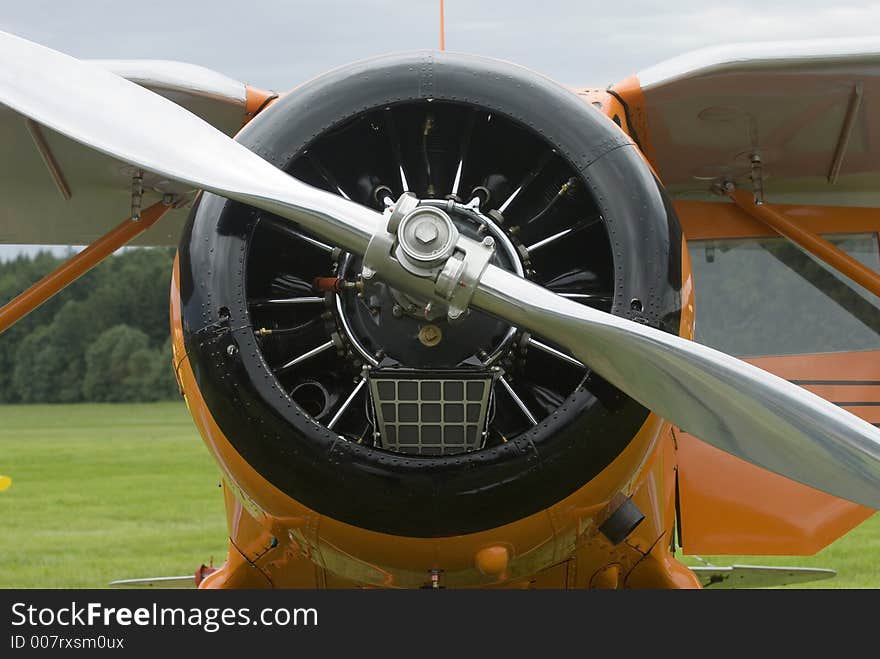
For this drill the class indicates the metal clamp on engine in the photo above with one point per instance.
(422, 252)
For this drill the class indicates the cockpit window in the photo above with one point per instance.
(766, 296)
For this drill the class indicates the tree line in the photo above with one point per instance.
(104, 338)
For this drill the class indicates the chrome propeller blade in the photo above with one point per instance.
(724, 401)
(125, 121)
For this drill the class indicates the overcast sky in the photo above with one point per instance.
(277, 44)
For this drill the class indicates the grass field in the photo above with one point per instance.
(104, 492)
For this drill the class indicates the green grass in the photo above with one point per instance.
(104, 492)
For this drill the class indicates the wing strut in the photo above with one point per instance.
(815, 245)
(48, 158)
(76, 267)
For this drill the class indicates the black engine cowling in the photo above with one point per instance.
(572, 206)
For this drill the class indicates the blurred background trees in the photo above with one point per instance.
(105, 338)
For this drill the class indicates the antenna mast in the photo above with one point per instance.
(442, 28)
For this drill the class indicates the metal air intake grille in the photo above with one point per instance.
(430, 414)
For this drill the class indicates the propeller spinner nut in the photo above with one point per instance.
(427, 237)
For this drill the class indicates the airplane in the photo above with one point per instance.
(433, 313)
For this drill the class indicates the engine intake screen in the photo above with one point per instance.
(430, 414)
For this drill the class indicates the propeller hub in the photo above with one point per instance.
(426, 237)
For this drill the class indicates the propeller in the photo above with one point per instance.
(125, 121)
(724, 401)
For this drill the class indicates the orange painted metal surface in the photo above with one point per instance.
(77, 266)
(630, 90)
(659, 569)
(706, 220)
(607, 104)
(814, 244)
(256, 100)
(844, 378)
(688, 310)
(616, 108)
(729, 506)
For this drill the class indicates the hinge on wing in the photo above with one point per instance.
(137, 194)
(757, 176)
(725, 186)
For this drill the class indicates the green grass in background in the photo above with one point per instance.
(103, 492)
